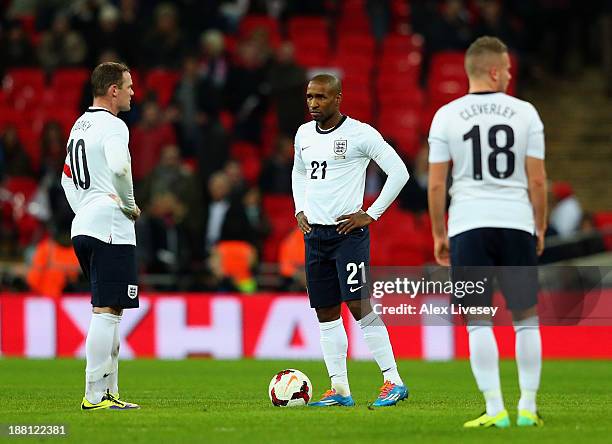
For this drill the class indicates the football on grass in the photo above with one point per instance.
(290, 388)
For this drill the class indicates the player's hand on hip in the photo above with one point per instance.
(442, 251)
(132, 213)
(350, 222)
(540, 243)
(302, 221)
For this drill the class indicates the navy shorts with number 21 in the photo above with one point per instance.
(336, 265)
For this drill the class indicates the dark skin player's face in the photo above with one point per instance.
(323, 101)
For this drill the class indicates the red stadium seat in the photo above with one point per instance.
(358, 105)
(447, 65)
(402, 125)
(312, 51)
(408, 97)
(22, 190)
(69, 78)
(251, 23)
(302, 26)
(354, 63)
(397, 44)
(280, 212)
(162, 82)
(356, 44)
(445, 91)
(603, 220)
(19, 78)
(24, 186)
(243, 149)
(407, 65)
(24, 87)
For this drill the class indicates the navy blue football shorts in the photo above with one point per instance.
(111, 270)
(505, 255)
(336, 265)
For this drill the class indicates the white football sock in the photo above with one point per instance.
(484, 358)
(334, 345)
(528, 361)
(376, 337)
(113, 378)
(98, 348)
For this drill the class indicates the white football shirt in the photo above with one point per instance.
(96, 139)
(329, 170)
(487, 136)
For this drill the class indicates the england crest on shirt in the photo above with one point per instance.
(340, 147)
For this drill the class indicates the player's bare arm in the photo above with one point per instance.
(350, 222)
(536, 177)
(436, 194)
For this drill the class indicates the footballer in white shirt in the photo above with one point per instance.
(97, 181)
(497, 217)
(332, 153)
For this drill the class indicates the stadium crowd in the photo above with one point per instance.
(219, 95)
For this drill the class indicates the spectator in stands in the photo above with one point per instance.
(235, 251)
(275, 174)
(451, 30)
(148, 138)
(413, 196)
(257, 220)
(291, 258)
(566, 213)
(379, 12)
(163, 235)
(13, 159)
(111, 34)
(233, 172)
(49, 203)
(61, 46)
(15, 46)
(164, 45)
(170, 175)
(169, 231)
(495, 23)
(232, 12)
(52, 149)
(219, 189)
(54, 265)
(246, 89)
(606, 46)
(236, 260)
(287, 82)
(184, 110)
(213, 68)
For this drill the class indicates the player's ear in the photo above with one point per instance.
(338, 98)
(494, 73)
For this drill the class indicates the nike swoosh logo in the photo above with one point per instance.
(353, 290)
(293, 378)
(84, 407)
(106, 374)
(303, 148)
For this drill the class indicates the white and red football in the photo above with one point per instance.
(290, 388)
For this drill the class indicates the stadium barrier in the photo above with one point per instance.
(263, 326)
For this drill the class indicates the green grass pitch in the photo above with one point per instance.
(226, 401)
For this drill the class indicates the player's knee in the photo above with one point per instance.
(359, 308)
(117, 311)
(328, 314)
(524, 315)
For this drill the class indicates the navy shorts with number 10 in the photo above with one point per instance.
(336, 265)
